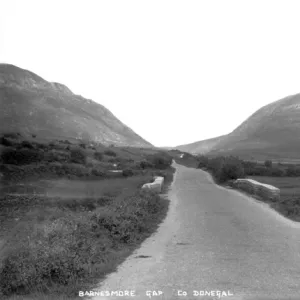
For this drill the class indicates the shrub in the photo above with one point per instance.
(268, 163)
(74, 169)
(293, 171)
(98, 155)
(58, 252)
(127, 173)
(146, 164)
(39, 146)
(277, 172)
(215, 164)
(160, 173)
(230, 170)
(27, 144)
(21, 157)
(249, 167)
(110, 153)
(114, 160)
(12, 135)
(58, 156)
(160, 161)
(96, 172)
(33, 135)
(78, 156)
(82, 145)
(6, 142)
(203, 161)
(259, 171)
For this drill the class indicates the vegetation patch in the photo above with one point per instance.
(283, 176)
(69, 225)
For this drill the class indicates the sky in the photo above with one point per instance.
(175, 72)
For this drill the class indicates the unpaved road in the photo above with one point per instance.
(231, 242)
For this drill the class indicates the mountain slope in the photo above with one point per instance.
(201, 147)
(31, 105)
(271, 132)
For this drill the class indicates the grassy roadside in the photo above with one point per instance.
(59, 245)
(226, 169)
(289, 202)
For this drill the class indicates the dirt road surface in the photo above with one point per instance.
(213, 239)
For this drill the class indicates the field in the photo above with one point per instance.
(65, 188)
(283, 161)
(289, 203)
(66, 221)
(283, 176)
(289, 186)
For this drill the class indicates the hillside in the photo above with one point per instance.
(31, 105)
(271, 132)
(202, 147)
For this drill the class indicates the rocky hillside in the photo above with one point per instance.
(31, 105)
(271, 132)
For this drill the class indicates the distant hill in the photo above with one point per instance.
(31, 105)
(201, 147)
(271, 132)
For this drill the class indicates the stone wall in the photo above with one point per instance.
(254, 187)
(155, 186)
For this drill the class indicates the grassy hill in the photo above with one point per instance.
(272, 132)
(31, 105)
(201, 147)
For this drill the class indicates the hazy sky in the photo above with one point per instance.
(174, 71)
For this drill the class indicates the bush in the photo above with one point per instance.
(21, 157)
(12, 135)
(259, 171)
(71, 169)
(98, 155)
(277, 172)
(6, 142)
(249, 167)
(215, 164)
(293, 171)
(67, 142)
(160, 173)
(58, 252)
(203, 161)
(78, 156)
(96, 172)
(114, 160)
(230, 170)
(58, 156)
(27, 144)
(146, 164)
(110, 153)
(60, 248)
(160, 161)
(127, 173)
(268, 163)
